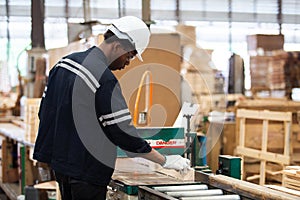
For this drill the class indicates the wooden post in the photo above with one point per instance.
(264, 149)
(37, 18)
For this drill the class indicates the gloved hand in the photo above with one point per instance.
(176, 162)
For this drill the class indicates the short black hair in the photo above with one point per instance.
(110, 37)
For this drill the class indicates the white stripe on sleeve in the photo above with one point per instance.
(72, 69)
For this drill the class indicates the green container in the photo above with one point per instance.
(127, 189)
(230, 166)
(51, 195)
(166, 140)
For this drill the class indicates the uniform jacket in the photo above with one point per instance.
(83, 118)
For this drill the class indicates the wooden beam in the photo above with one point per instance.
(146, 11)
(263, 149)
(272, 157)
(37, 18)
(287, 141)
(242, 131)
(264, 114)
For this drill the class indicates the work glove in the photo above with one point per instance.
(177, 162)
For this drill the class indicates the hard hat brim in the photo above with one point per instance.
(139, 57)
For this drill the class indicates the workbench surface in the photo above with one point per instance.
(148, 178)
(14, 132)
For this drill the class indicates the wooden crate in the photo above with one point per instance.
(31, 118)
(262, 153)
(254, 127)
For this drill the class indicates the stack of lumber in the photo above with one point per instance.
(258, 71)
(278, 71)
(263, 43)
(291, 177)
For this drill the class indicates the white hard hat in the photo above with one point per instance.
(134, 30)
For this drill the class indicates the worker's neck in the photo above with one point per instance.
(106, 49)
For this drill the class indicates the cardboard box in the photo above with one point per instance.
(265, 42)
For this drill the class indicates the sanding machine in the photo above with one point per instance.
(138, 178)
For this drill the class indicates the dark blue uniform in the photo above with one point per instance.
(83, 117)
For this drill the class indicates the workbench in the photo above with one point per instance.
(126, 183)
(16, 166)
(132, 186)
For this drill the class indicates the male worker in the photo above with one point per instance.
(83, 115)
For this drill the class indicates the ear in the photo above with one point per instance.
(116, 46)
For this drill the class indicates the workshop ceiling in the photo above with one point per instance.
(250, 13)
(264, 11)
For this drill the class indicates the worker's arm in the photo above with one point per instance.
(176, 162)
(154, 156)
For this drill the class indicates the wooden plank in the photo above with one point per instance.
(49, 185)
(273, 157)
(291, 186)
(262, 176)
(291, 172)
(265, 114)
(136, 165)
(242, 132)
(292, 167)
(264, 136)
(284, 189)
(290, 180)
(287, 135)
(251, 178)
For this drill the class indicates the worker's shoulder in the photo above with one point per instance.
(108, 77)
(78, 57)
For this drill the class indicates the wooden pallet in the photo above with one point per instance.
(263, 155)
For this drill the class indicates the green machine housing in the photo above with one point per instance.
(166, 140)
(230, 166)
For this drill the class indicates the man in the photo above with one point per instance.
(83, 115)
